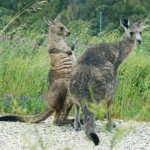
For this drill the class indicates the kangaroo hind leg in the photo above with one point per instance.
(110, 124)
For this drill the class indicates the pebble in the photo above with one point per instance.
(128, 135)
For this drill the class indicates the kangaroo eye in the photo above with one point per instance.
(131, 33)
(61, 28)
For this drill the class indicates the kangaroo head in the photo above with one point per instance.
(132, 32)
(58, 28)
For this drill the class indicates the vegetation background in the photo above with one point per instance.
(24, 61)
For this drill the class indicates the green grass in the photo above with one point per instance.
(23, 77)
(119, 134)
(132, 98)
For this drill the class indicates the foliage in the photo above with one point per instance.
(119, 133)
(87, 10)
(25, 63)
(133, 88)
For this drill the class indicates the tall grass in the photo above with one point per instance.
(132, 99)
(23, 77)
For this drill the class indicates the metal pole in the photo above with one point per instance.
(100, 23)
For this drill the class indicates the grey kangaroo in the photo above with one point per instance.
(62, 60)
(96, 72)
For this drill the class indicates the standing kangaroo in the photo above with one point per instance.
(62, 60)
(95, 72)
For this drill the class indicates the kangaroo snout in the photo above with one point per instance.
(68, 33)
(139, 41)
(69, 52)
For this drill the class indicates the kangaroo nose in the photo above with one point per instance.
(139, 41)
(69, 53)
(68, 33)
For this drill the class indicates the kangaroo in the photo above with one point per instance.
(95, 72)
(62, 60)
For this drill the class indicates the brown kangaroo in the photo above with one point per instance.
(62, 60)
(96, 72)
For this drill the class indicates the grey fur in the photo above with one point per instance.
(96, 71)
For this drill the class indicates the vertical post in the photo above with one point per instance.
(100, 22)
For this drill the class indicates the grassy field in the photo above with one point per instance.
(24, 65)
(132, 99)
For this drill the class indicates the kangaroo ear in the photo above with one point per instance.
(57, 19)
(141, 23)
(125, 23)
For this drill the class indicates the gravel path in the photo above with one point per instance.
(46, 136)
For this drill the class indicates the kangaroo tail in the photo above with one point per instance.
(31, 119)
(89, 125)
